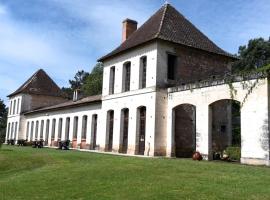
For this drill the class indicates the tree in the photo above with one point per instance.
(3, 121)
(254, 55)
(76, 83)
(93, 83)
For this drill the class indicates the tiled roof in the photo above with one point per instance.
(39, 83)
(69, 104)
(169, 25)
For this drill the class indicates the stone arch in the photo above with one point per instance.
(224, 126)
(184, 130)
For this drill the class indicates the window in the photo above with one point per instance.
(84, 127)
(143, 66)
(60, 123)
(18, 106)
(67, 128)
(10, 107)
(126, 77)
(112, 80)
(171, 66)
(75, 128)
(53, 129)
(14, 107)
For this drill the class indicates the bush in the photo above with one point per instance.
(234, 153)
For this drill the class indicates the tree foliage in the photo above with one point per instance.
(3, 121)
(87, 83)
(93, 83)
(254, 55)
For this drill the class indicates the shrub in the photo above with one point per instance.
(234, 153)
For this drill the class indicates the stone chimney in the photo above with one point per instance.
(129, 26)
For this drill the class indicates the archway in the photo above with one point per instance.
(184, 131)
(225, 127)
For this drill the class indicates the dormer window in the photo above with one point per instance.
(143, 66)
(171, 66)
(126, 77)
(112, 80)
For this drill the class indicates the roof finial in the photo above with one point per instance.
(166, 2)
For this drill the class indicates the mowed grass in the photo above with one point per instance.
(27, 173)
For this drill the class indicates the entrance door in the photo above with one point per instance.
(142, 130)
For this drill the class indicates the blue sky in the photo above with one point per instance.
(64, 36)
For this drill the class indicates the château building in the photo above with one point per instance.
(164, 94)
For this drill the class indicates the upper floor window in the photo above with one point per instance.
(14, 107)
(112, 80)
(143, 66)
(171, 62)
(126, 77)
(10, 107)
(18, 106)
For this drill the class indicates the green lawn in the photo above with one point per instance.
(27, 173)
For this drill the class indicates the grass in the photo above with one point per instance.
(27, 173)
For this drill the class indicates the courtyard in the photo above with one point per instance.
(27, 173)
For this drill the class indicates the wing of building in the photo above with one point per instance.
(164, 94)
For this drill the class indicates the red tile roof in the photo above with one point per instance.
(169, 25)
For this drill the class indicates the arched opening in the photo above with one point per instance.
(225, 127)
(94, 132)
(41, 130)
(36, 130)
(32, 131)
(109, 130)
(67, 128)
(60, 124)
(141, 126)
(47, 132)
(53, 132)
(184, 131)
(124, 131)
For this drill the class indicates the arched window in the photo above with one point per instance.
(143, 67)
(84, 127)
(14, 107)
(10, 107)
(18, 106)
(60, 124)
(112, 80)
(75, 127)
(126, 77)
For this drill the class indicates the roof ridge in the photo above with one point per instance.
(162, 20)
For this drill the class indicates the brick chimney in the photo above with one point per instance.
(129, 26)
